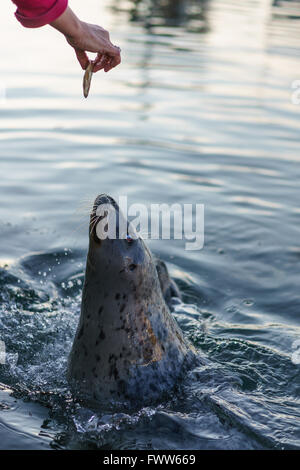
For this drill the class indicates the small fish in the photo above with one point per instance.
(87, 79)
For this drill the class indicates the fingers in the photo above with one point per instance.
(110, 63)
(112, 50)
(82, 58)
(104, 61)
(113, 62)
(113, 56)
(99, 62)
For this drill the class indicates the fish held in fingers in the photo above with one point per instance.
(87, 79)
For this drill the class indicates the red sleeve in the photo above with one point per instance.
(35, 13)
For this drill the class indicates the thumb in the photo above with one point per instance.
(82, 58)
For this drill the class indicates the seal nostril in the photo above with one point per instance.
(132, 267)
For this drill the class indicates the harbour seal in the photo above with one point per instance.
(127, 347)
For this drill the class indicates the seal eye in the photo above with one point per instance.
(132, 266)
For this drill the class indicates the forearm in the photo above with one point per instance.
(68, 24)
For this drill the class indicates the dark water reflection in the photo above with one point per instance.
(188, 13)
(200, 111)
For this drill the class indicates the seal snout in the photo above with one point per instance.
(108, 221)
(104, 199)
(103, 204)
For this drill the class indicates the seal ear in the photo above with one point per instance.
(168, 286)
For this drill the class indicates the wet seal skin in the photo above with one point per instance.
(128, 347)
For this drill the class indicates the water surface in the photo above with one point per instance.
(199, 112)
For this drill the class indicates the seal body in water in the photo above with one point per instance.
(127, 347)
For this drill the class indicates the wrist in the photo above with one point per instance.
(74, 34)
(69, 25)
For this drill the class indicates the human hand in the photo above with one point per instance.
(93, 38)
(85, 37)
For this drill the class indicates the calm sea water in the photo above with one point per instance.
(199, 112)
